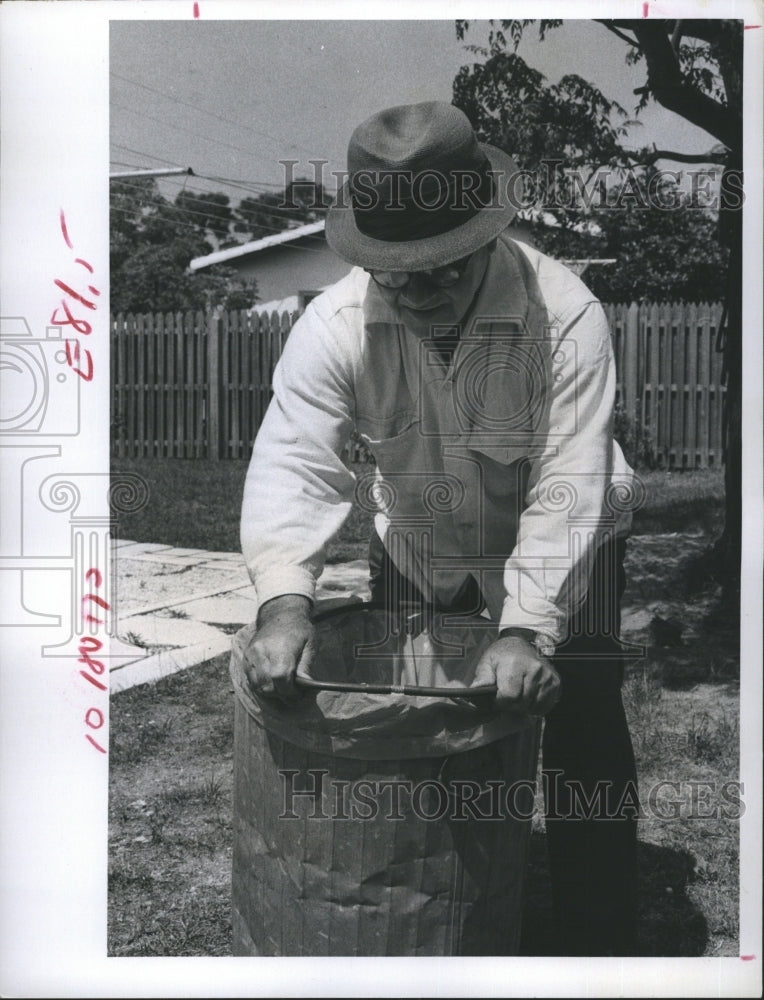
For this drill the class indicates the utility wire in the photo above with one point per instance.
(252, 186)
(248, 185)
(267, 210)
(151, 156)
(212, 114)
(188, 131)
(196, 229)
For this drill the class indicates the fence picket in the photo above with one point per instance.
(157, 387)
(690, 375)
(662, 396)
(140, 381)
(703, 381)
(202, 404)
(716, 390)
(628, 358)
(225, 404)
(121, 381)
(248, 427)
(677, 387)
(233, 377)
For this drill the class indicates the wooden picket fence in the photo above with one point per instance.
(669, 379)
(196, 385)
(192, 385)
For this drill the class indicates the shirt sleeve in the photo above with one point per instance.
(298, 491)
(568, 507)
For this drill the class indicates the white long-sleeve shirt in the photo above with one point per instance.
(500, 463)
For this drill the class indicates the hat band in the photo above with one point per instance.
(397, 206)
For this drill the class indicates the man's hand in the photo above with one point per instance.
(282, 643)
(525, 680)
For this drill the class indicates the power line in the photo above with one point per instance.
(151, 156)
(137, 173)
(212, 114)
(252, 185)
(121, 163)
(255, 187)
(267, 210)
(171, 221)
(187, 131)
(195, 229)
(246, 185)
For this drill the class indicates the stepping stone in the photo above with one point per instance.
(161, 630)
(228, 609)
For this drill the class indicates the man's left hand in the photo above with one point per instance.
(525, 680)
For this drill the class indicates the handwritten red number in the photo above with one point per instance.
(93, 681)
(90, 642)
(95, 665)
(98, 600)
(64, 230)
(80, 325)
(99, 715)
(75, 295)
(72, 356)
(96, 745)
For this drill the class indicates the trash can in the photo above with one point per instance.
(389, 811)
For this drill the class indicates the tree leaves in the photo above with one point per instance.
(152, 242)
(564, 134)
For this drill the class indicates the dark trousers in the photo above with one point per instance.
(588, 768)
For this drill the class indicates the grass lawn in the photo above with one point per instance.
(170, 812)
(195, 503)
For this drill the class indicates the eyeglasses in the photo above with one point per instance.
(441, 277)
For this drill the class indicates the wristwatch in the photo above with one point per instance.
(544, 645)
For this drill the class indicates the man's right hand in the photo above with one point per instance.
(282, 643)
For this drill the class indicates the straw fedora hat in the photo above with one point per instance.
(421, 190)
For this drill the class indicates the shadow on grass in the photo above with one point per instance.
(712, 656)
(668, 923)
(695, 515)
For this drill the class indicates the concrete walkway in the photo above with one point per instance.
(178, 607)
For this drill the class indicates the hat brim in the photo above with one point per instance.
(344, 237)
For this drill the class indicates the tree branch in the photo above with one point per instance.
(610, 25)
(707, 30)
(672, 91)
(666, 154)
(676, 35)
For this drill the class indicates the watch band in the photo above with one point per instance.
(544, 645)
(522, 633)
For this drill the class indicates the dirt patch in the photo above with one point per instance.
(171, 748)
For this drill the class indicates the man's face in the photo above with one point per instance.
(422, 304)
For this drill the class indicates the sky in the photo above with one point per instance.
(230, 99)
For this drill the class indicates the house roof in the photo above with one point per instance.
(315, 228)
(578, 265)
(255, 246)
(292, 303)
